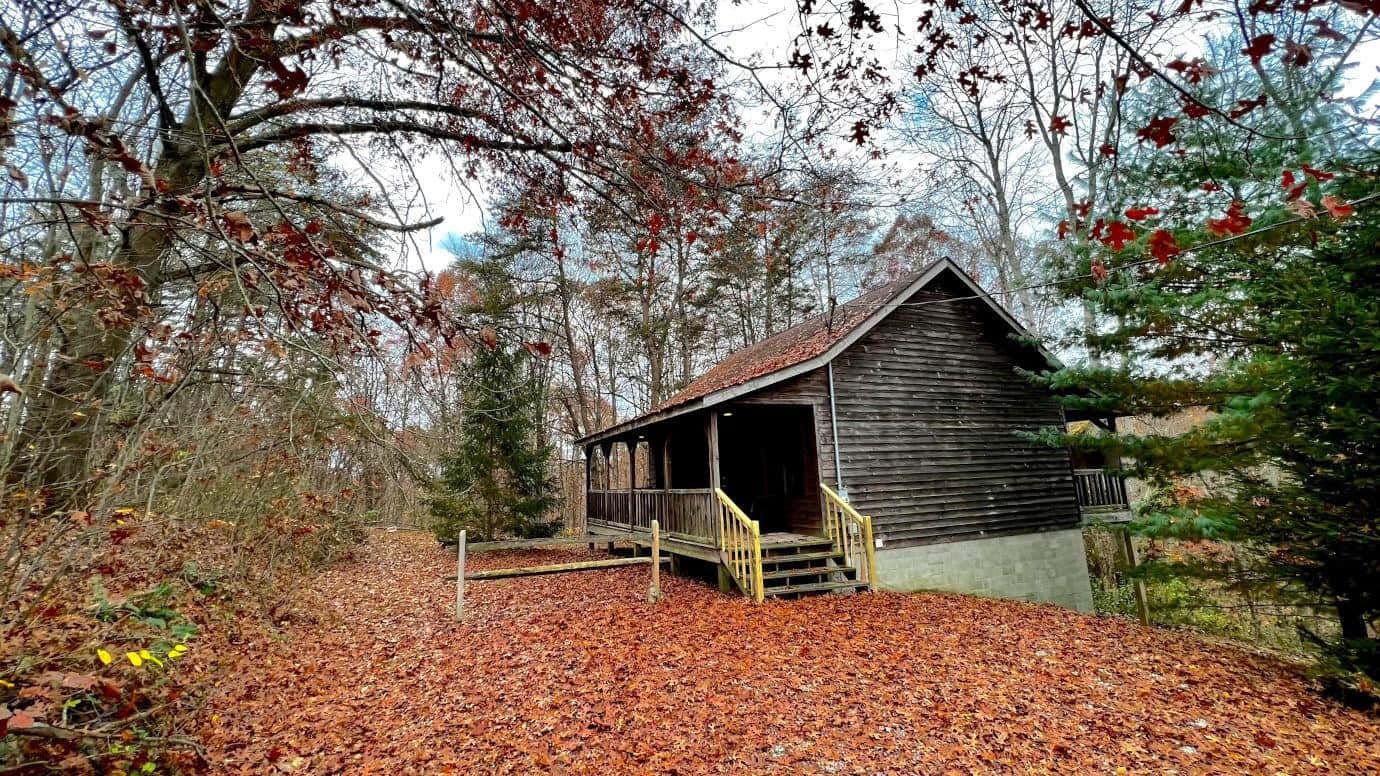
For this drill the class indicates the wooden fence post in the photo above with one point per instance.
(460, 579)
(1137, 586)
(654, 593)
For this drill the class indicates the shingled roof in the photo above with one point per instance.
(795, 345)
(799, 347)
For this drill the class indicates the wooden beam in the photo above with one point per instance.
(533, 544)
(589, 474)
(712, 432)
(606, 482)
(666, 460)
(654, 592)
(558, 568)
(460, 579)
(1128, 546)
(655, 470)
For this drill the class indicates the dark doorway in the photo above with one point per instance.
(768, 465)
(688, 451)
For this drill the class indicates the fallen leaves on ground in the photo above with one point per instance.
(575, 673)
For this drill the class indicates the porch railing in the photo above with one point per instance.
(851, 533)
(740, 543)
(1099, 490)
(685, 512)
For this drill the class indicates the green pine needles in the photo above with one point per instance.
(1277, 337)
(498, 481)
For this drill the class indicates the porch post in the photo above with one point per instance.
(633, 517)
(666, 461)
(1128, 548)
(606, 476)
(653, 461)
(711, 430)
(713, 435)
(589, 482)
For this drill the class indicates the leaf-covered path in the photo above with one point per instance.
(574, 673)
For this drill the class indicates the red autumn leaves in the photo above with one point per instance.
(1158, 131)
(1295, 185)
(1232, 224)
(1261, 46)
(1116, 235)
(1336, 207)
(576, 674)
(1161, 245)
(1295, 54)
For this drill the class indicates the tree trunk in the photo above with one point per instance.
(91, 346)
(577, 370)
(687, 339)
(1353, 619)
(91, 341)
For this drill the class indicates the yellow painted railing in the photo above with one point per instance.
(740, 544)
(852, 536)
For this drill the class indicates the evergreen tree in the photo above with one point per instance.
(1282, 342)
(1245, 278)
(497, 482)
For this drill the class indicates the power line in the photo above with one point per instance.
(1360, 201)
(1089, 275)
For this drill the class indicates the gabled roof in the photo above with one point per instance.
(805, 347)
(790, 347)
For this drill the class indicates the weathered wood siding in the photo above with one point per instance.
(929, 408)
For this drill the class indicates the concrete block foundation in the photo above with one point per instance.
(1047, 566)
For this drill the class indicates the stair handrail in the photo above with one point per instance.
(740, 546)
(851, 533)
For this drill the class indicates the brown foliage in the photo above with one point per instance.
(575, 673)
(93, 678)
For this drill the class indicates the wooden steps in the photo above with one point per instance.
(795, 565)
(794, 572)
(814, 588)
(799, 557)
(780, 541)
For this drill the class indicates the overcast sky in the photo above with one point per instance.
(758, 30)
(754, 31)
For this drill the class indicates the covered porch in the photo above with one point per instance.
(736, 485)
(1102, 493)
(762, 456)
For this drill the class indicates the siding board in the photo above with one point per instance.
(930, 408)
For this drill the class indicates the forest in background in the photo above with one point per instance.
(220, 355)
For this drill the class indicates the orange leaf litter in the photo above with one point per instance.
(575, 673)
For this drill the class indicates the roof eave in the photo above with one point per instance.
(642, 421)
(857, 332)
(757, 383)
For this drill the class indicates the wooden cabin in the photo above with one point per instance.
(873, 446)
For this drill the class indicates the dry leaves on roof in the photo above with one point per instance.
(795, 345)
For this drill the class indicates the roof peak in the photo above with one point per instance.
(809, 345)
(800, 344)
